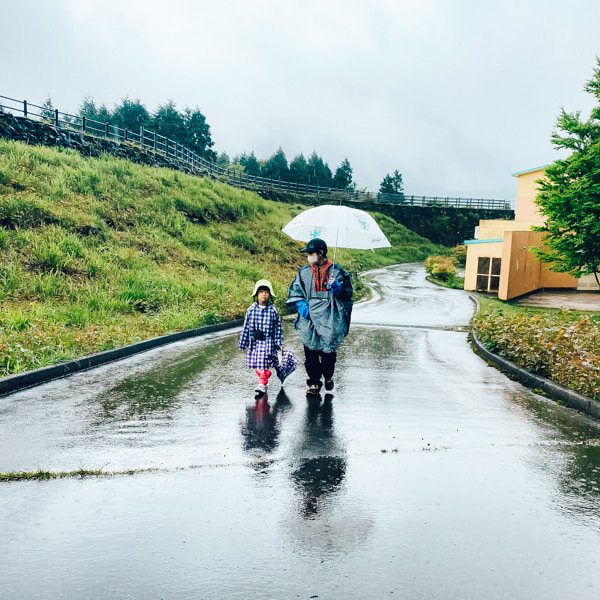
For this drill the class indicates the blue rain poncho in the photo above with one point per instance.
(328, 321)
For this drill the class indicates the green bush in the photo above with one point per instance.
(550, 344)
(459, 253)
(440, 267)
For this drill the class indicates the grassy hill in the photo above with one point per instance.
(99, 253)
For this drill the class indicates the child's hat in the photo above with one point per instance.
(263, 283)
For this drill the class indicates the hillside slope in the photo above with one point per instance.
(99, 253)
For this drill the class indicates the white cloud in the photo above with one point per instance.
(454, 94)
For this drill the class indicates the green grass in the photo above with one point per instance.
(498, 308)
(81, 473)
(100, 253)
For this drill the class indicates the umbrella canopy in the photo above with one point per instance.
(339, 226)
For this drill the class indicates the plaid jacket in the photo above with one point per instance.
(262, 353)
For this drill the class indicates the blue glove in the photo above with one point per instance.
(302, 308)
(336, 288)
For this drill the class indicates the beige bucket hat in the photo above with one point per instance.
(263, 283)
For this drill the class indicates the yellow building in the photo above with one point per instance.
(500, 259)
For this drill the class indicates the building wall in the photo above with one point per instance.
(520, 269)
(494, 229)
(522, 273)
(526, 209)
(587, 283)
(474, 252)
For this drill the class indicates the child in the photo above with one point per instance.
(262, 335)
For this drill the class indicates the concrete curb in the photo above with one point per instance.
(573, 399)
(20, 381)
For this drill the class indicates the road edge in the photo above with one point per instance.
(21, 381)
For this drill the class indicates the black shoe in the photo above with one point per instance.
(329, 384)
(314, 389)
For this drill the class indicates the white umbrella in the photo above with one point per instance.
(341, 226)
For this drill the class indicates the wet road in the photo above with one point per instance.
(429, 474)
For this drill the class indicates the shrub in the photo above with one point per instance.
(440, 267)
(459, 253)
(552, 345)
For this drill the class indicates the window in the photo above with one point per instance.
(488, 274)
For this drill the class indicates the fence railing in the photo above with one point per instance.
(153, 141)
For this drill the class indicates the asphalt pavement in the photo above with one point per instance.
(427, 474)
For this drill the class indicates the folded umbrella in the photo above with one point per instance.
(287, 365)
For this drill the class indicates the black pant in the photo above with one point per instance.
(319, 364)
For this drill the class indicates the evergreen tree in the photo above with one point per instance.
(299, 169)
(319, 172)
(392, 184)
(197, 134)
(343, 177)
(276, 167)
(569, 196)
(223, 160)
(131, 115)
(47, 112)
(104, 115)
(88, 108)
(168, 122)
(250, 164)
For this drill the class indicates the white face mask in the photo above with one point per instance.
(312, 258)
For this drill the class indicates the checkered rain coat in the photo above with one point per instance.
(261, 353)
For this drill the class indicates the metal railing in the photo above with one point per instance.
(153, 141)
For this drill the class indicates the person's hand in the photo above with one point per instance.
(335, 286)
(302, 309)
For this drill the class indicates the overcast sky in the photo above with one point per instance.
(457, 95)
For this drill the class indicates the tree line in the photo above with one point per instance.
(190, 128)
(313, 170)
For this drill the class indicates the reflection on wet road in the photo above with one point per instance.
(427, 475)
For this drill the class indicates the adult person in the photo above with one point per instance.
(322, 295)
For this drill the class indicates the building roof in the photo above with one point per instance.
(529, 171)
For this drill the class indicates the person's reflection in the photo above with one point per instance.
(261, 428)
(320, 469)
